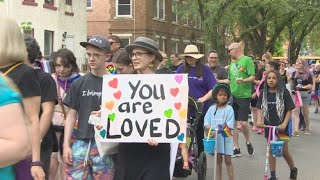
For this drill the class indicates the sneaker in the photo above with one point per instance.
(236, 153)
(261, 131)
(302, 128)
(250, 148)
(293, 174)
(307, 132)
(295, 134)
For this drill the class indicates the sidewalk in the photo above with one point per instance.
(303, 149)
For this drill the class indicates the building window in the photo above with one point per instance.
(49, 2)
(175, 46)
(124, 41)
(69, 2)
(164, 42)
(159, 9)
(197, 22)
(89, 4)
(175, 11)
(48, 42)
(124, 8)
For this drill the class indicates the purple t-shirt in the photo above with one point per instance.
(198, 87)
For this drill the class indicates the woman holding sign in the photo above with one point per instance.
(201, 81)
(140, 160)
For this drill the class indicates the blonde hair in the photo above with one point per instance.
(12, 46)
(268, 55)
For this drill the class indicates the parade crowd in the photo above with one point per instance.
(45, 106)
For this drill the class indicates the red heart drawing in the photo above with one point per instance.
(117, 95)
(177, 105)
(174, 91)
(113, 83)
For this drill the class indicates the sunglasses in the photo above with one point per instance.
(229, 50)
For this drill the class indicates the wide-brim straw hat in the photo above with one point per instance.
(147, 44)
(192, 50)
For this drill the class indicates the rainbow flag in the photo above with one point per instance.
(110, 68)
(282, 137)
(225, 130)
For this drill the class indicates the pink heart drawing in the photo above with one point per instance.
(178, 78)
(174, 91)
(113, 83)
(177, 105)
(117, 95)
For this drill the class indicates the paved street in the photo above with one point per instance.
(304, 150)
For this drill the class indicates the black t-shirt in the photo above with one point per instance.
(174, 68)
(48, 93)
(260, 73)
(164, 70)
(26, 79)
(85, 96)
(219, 72)
(299, 80)
(274, 119)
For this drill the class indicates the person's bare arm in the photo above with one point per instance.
(68, 128)
(14, 146)
(46, 117)
(32, 108)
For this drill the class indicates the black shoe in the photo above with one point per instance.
(236, 152)
(250, 149)
(273, 178)
(293, 174)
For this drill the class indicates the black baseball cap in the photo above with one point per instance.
(99, 42)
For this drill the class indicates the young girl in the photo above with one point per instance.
(217, 114)
(275, 106)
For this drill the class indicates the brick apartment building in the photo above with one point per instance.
(156, 19)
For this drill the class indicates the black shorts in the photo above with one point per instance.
(241, 108)
(253, 102)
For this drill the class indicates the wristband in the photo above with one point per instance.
(36, 163)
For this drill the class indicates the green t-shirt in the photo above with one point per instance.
(242, 68)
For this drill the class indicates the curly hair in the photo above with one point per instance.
(279, 96)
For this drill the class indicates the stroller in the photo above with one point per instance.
(197, 162)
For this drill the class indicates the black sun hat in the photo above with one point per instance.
(147, 44)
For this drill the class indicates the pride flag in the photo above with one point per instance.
(225, 130)
(282, 137)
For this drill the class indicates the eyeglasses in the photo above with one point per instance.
(95, 56)
(137, 55)
(188, 57)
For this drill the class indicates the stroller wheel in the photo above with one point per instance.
(202, 166)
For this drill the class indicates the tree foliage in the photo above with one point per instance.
(262, 25)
